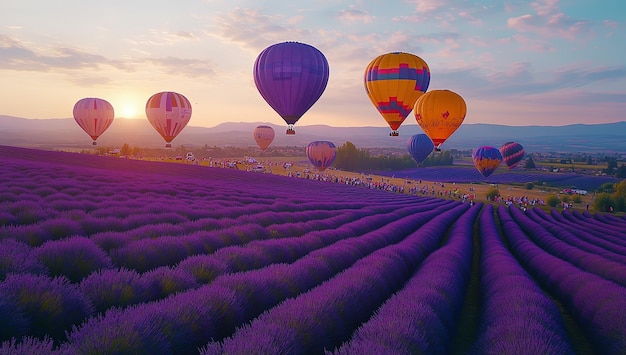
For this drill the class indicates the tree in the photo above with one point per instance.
(530, 163)
(346, 157)
(603, 202)
(443, 158)
(619, 196)
(621, 171)
(607, 187)
(611, 166)
(125, 150)
(350, 158)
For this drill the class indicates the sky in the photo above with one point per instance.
(516, 63)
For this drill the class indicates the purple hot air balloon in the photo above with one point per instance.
(291, 77)
(420, 147)
(486, 160)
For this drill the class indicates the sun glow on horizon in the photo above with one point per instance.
(128, 111)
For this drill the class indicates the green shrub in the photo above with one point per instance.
(492, 193)
(552, 200)
(529, 186)
(603, 202)
(577, 199)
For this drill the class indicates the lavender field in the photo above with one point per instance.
(469, 174)
(102, 255)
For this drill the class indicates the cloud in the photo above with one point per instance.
(355, 15)
(428, 6)
(549, 22)
(192, 68)
(518, 73)
(521, 79)
(253, 29)
(163, 38)
(446, 13)
(15, 55)
(533, 44)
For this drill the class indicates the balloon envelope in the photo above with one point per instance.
(263, 135)
(94, 116)
(439, 113)
(321, 154)
(486, 160)
(168, 112)
(291, 77)
(512, 154)
(420, 147)
(393, 82)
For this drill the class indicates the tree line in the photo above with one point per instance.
(350, 158)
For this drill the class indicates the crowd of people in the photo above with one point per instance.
(416, 188)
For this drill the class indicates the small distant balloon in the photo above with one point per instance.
(168, 112)
(486, 160)
(321, 154)
(291, 77)
(420, 147)
(439, 113)
(512, 154)
(94, 116)
(263, 135)
(393, 82)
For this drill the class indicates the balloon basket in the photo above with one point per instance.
(394, 134)
(168, 145)
(291, 131)
(94, 143)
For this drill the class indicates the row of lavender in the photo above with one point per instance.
(589, 285)
(308, 267)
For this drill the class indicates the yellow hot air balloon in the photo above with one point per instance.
(440, 113)
(263, 135)
(393, 82)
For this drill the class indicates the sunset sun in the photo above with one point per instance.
(130, 111)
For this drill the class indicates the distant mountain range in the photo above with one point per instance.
(64, 133)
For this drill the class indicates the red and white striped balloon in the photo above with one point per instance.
(168, 112)
(94, 116)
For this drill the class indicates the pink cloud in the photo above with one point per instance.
(549, 22)
(355, 15)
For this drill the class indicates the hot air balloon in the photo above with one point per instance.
(321, 154)
(512, 154)
(440, 113)
(263, 135)
(393, 82)
(291, 77)
(486, 160)
(420, 147)
(168, 112)
(94, 116)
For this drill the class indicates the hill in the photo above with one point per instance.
(65, 133)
